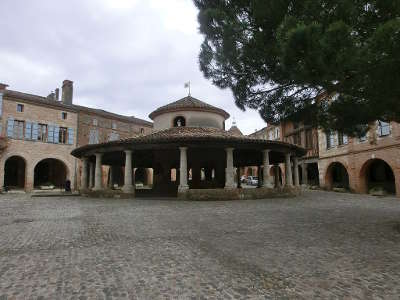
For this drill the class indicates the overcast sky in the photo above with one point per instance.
(125, 56)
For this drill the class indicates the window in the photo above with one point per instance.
(18, 129)
(271, 135)
(309, 139)
(64, 115)
(62, 135)
(342, 139)
(94, 122)
(42, 133)
(297, 139)
(141, 130)
(179, 122)
(113, 136)
(114, 125)
(277, 133)
(20, 107)
(383, 128)
(330, 140)
(93, 136)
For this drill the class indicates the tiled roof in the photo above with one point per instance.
(186, 134)
(188, 103)
(58, 104)
(235, 130)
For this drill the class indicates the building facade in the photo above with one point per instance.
(370, 164)
(38, 134)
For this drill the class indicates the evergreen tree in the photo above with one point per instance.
(282, 57)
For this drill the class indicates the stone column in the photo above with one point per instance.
(183, 172)
(296, 171)
(128, 182)
(266, 176)
(84, 178)
(98, 173)
(91, 175)
(288, 171)
(276, 175)
(229, 180)
(304, 174)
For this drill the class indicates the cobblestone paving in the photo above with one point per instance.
(320, 245)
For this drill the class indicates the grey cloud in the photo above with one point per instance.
(124, 56)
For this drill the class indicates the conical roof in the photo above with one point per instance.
(235, 130)
(190, 104)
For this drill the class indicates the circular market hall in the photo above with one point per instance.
(190, 155)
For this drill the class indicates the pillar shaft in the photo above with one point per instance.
(98, 173)
(288, 171)
(84, 178)
(110, 178)
(128, 181)
(183, 172)
(229, 180)
(296, 171)
(266, 176)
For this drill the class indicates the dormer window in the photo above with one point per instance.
(179, 122)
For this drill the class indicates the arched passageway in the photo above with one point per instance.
(337, 176)
(313, 174)
(14, 173)
(50, 172)
(377, 174)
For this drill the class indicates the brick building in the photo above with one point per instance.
(361, 164)
(37, 135)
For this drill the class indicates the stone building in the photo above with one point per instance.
(192, 156)
(38, 133)
(370, 164)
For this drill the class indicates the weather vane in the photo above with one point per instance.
(187, 86)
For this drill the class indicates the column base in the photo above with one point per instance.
(97, 189)
(229, 187)
(267, 185)
(183, 188)
(130, 189)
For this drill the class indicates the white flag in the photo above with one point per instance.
(187, 84)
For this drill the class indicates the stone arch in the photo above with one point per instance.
(50, 171)
(336, 176)
(376, 173)
(15, 167)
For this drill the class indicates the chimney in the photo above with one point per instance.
(57, 91)
(3, 87)
(67, 92)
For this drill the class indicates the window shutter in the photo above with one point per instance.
(1, 104)
(28, 130)
(10, 127)
(345, 139)
(50, 137)
(96, 137)
(70, 136)
(56, 134)
(91, 137)
(35, 131)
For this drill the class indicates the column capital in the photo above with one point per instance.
(266, 150)
(183, 148)
(128, 151)
(98, 154)
(84, 158)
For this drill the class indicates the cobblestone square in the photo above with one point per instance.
(320, 245)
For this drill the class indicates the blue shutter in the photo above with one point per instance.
(10, 127)
(1, 104)
(28, 130)
(50, 137)
(35, 131)
(70, 136)
(56, 134)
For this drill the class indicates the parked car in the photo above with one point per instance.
(243, 179)
(252, 180)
